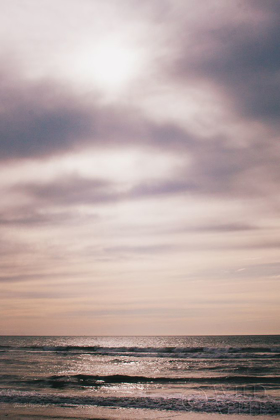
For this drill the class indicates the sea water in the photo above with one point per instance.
(187, 374)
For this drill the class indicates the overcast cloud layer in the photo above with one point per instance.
(147, 204)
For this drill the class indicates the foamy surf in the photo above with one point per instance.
(176, 375)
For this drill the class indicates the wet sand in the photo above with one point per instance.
(99, 413)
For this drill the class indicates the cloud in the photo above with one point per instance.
(222, 227)
(144, 250)
(46, 118)
(76, 190)
(242, 58)
(29, 217)
(215, 170)
(40, 119)
(20, 278)
(72, 190)
(185, 210)
(269, 271)
(144, 311)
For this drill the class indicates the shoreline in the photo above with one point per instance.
(99, 413)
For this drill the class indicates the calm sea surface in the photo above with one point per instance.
(225, 374)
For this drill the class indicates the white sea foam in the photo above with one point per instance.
(200, 402)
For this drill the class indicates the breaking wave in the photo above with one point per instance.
(172, 352)
(196, 403)
(98, 380)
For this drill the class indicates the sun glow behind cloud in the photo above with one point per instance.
(109, 66)
(143, 159)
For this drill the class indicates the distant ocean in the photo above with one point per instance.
(205, 374)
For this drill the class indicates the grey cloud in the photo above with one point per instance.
(31, 295)
(249, 272)
(144, 250)
(228, 227)
(19, 278)
(71, 191)
(169, 248)
(191, 227)
(39, 120)
(39, 276)
(46, 118)
(8, 248)
(243, 58)
(266, 244)
(215, 170)
(260, 270)
(22, 217)
(221, 170)
(161, 188)
(254, 244)
(75, 190)
(220, 228)
(148, 311)
(189, 245)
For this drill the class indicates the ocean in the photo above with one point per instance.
(230, 375)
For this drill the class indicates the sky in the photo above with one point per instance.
(139, 167)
